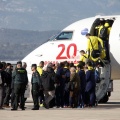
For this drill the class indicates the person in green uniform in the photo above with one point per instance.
(20, 80)
(36, 83)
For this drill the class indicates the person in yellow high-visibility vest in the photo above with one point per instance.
(83, 57)
(99, 27)
(40, 71)
(40, 68)
(104, 35)
(93, 47)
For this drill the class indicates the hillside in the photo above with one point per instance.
(16, 44)
(44, 15)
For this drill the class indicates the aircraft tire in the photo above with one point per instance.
(104, 99)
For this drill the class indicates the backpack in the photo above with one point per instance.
(104, 33)
(95, 53)
(47, 81)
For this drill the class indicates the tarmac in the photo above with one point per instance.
(108, 111)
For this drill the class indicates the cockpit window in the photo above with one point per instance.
(65, 36)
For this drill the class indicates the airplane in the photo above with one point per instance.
(66, 45)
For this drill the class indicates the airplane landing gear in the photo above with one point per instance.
(104, 99)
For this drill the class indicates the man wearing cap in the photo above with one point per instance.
(36, 84)
(20, 80)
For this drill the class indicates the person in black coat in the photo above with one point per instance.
(8, 85)
(48, 78)
(60, 86)
(2, 83)
(67, 80)
(74, 87)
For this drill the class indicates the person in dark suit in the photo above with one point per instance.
(90, 85)
(82, 76)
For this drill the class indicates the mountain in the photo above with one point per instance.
(44, 15)
(16, 44)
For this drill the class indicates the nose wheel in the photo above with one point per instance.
(104, 99)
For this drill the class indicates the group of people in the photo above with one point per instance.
(12, 85)
(62, 84)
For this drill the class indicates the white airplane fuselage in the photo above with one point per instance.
(66, 46)
(68, 49)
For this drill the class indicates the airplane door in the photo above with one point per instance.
(114, 41)
(110, 71)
